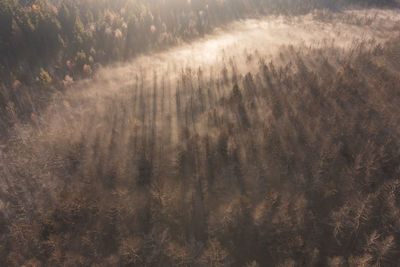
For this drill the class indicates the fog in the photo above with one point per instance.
(133, 97)
(242, 129)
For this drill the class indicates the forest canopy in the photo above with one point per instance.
(71, 39)
(199, 133)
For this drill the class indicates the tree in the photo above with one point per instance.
(44, 78)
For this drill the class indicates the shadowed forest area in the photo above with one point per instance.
(200, 133)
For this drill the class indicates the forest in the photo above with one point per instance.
(200, 133)
(47, 44)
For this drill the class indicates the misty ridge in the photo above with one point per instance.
(199, 133)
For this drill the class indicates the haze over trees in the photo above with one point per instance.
(199, 133)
